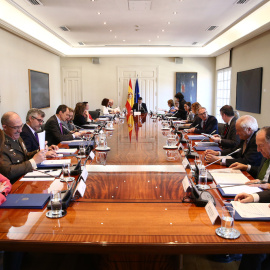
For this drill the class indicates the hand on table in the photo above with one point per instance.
(239, 166)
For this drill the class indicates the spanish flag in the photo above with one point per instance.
(130, 98)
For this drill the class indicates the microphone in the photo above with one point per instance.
(186, 130)
(233, 185)
(209, 135)
(236, 151)
(66, 128)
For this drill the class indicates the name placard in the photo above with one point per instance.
(84, 174)
(185, 162)
(212, 213)
(92, 155)
(186, 184)
(80, 189)
(180, 146)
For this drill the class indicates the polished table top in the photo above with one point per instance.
(127, 211)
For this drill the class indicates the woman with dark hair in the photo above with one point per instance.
(181, 110)
(5, 185)
(190, 114)
(105, 106)
(86, 112)
(79, 116)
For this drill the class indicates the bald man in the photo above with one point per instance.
(16, 160)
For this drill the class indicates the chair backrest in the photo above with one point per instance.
(94, 114)
(220, 128)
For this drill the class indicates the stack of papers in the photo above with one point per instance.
(229, 191)
(42, 175)
(206, 144)
(197, 137)
(229, 178)
(252, 210)
(70, 151)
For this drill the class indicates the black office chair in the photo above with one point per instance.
(94, 114)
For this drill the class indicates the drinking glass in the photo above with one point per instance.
(102, 141)
(171, 140)
(101, 157)
(109, 124)
(66, 173)
(172, 154)
(202, 183)
(165, 124)
(227, 222)
(56, 203)
(198, 160)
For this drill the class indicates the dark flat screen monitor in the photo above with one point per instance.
(249, 90)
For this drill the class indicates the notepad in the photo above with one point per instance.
(229, 178)
(66, 151)
(228, 191)
(53, 163)
(26, 201)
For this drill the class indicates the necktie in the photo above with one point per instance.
(263, 170)
(204, 124)
(225, 130)
(61, 127)
(244, 147)
(36, 136)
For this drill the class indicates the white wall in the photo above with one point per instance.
(100, 80)
(253, 54)
(17, 56)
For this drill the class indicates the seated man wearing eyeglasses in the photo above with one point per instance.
(204, 123)
(34, 121)
(16, 160)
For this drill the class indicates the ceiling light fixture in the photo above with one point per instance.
(104, 23)
(110, 30)
(169, 22)
(98, 13)
(174, 13)
(163, 30)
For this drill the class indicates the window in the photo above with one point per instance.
(223, 90)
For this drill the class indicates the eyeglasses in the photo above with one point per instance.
(16, 127)
(204, 113)
(39, 120)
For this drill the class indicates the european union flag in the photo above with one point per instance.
(137, 92)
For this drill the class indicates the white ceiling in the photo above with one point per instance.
(171, 24)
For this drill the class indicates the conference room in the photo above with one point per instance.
(162, 45)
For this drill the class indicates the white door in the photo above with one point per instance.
(147, 79)
(72, 91)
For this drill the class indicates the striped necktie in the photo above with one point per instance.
(263, 170)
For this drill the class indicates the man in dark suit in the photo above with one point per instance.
(16, 160)
(261, 172)
(204, 123)
(140, 106)
(246, 128)
(34, 121)
(55, 131)
(228, 138)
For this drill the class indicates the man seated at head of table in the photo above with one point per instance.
(34, 121)
(228, 138)
(246, 128)
(55, 131)
(204, 123)
(254, 261)
(262, 172)
(16, 160)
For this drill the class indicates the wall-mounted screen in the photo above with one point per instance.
(39, 89)
(249, 90)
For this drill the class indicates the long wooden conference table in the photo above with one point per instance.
(131, 211)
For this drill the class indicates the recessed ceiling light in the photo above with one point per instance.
(149, 40)
(104, 23)
(163, 30)
(157, 36)
(115, 36)
(174, 13)
(110, 30)
(124, 40)
(99, 13)
(169, 22)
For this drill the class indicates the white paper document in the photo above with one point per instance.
(206, 144)
(72, 141)
(56, 162)
(239, 189)
(43, 173)
(41, 138)
(252, 210)
(27, 179)
(229, 178)
(66, 151)
(227, 170)
(135, 168)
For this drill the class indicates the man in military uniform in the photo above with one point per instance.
(16, 160)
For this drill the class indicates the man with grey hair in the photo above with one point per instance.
(34, 121)
(16, 160)
(261, 172)
(246, 128)
(204, 123)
